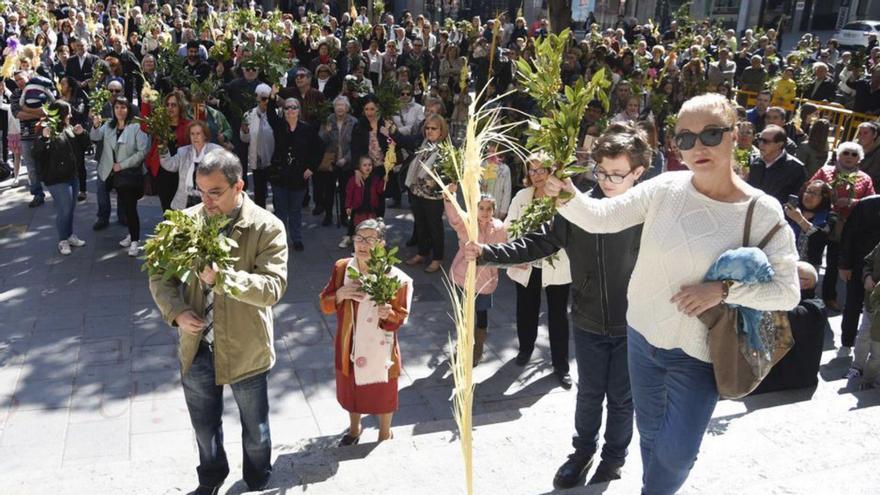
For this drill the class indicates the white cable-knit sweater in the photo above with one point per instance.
(684, 233)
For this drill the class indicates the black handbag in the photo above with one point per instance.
(127, 179)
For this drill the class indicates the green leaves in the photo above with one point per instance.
(556, 131)
(183, 245)
(377, 283)
(388, 94)
(158, 125)
(53, 120)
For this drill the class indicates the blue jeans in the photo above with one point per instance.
(204, 400)
(602, 374)
(27, 159)
(674, 396)
(287, 204)
(104, 203)
(64, 198)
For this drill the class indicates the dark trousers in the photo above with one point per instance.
(166, 187)
(428, 215)
(528, 307)
(342, 178)
(204, 400)
(128, 200)
(603, 374)
(325, 188)
(829, 282)
(261, 186)
(81, 174)
(852, 309)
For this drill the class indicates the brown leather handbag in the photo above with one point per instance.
(739, 368)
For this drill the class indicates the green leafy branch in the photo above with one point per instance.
(183, 245)
(376, 282)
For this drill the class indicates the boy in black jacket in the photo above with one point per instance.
(601, 265)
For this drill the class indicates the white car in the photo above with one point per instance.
(855, 34)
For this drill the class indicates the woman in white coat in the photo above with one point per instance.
(552, 275)
(121, 162)
(186, 161)
(257, 134)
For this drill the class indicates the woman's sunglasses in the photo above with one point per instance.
(711, 136)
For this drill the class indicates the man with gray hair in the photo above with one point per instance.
(823, 89)
(226, 338)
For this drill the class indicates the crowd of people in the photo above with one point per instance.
(313, 110)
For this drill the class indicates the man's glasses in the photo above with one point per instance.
(762, 140)
(214, 195)
(250, 69)
(601, 176)
(405, 94)
(299, 76)
(291, 107)
(372, 241)
(711, 136)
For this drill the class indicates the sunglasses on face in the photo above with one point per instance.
(250, 69)
(710, 136)
(849, 153)
(291, 107)
(405, 94)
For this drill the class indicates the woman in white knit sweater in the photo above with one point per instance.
(690, 218)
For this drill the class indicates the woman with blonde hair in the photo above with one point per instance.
(701, 212)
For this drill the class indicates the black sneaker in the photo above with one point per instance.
(564, 379)
(206, 490)
(605, 472)
(100, 225)
(328, 219)
(298, 246)
(522, 358)
(37, 201)
(573, 472)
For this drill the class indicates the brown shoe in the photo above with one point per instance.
(479, 340)
(433, 267)
(415, 260)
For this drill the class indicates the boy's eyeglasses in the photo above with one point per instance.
(601, 176)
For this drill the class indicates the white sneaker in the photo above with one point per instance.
(125, 242)
(346, 241)
(75, 241)
(64, 248)
(133, 248)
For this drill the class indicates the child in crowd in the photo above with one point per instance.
(362, 196)
(496, 181)
(601, 265)
(491, 231)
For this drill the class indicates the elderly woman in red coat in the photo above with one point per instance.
(367, 355)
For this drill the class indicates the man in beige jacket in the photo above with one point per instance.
(227, 339)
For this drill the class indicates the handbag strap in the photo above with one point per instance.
(747, 229)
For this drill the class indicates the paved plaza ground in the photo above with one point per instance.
(91, 402)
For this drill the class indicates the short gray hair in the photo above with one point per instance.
(851, 146)
(224, 161)
(342, 99)
(372, 224)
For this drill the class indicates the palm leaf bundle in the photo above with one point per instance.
(483, 127)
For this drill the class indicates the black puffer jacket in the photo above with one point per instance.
(57, 158)
(601, 266)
